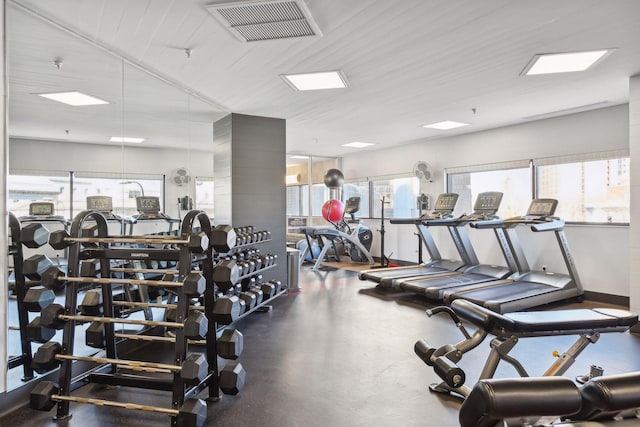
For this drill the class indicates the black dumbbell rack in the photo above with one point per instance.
(244, 243)
(106, 251)
(15, 250)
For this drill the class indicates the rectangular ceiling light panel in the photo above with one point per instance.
(126, 139)
(446, 125)
(564, 62)
(265, 20)
(74, 98)
(316, 81)
(358, 144)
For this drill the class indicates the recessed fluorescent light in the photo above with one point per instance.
(126, 139)
(74, 98)
(563, 62)
(316, 81)
(446, 125)
(358, 144)
(300, 157)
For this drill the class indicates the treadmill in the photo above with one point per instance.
(529, 288)
(444, 207)
(434, 287)
(485, 208)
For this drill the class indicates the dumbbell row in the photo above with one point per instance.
(195, 326)
(194, 283)
(193, 370)
(193, 413)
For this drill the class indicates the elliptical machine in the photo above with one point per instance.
(355, 238)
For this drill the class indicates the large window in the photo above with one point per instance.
(122, 190)
(294, 207)
(204, 195)
(358, 189)
(590, 188)
(28, 187)
(591, 191)
(400, 196)
(512, 180)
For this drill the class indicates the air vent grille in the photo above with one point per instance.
(265, 20)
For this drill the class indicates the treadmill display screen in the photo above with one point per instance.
(148, 204)
(446, 202)
(100, 203)
(488, 202)
(542, 207)
(41, 208)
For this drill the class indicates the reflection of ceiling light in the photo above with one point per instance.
(300, 157)
(563, 62)
(126, 139)
(75, 98)
(292, 179)
(358, 144)
(446, 125)
(315, 81)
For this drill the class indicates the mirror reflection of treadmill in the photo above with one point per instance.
(485, 207)
(149, 210)
(104, 205)
(529, 288)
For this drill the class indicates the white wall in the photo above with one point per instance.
(634, 152)
(601, 253)
(65, 156)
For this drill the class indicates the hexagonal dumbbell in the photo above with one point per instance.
(230, 344)
(226, 273)
(91, 304)
(90, 267)
(223, 238)
(226, 309)
(37, 298)
(35, 265)
(38, 333)
(52, 278)
(232, 378)
(34, 235)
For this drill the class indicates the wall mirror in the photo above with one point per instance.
(63, 154)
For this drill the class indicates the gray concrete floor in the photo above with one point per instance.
(335, 356)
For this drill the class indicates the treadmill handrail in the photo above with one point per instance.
(554, 225)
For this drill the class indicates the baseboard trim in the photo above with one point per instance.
(607, 298)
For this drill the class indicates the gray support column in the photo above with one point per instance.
(4, 233)
(249, 170)
(634, 227)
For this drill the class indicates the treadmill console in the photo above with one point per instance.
(542, 208)
(41, 209)
(486, 206)
(148, 205)
(103, 204)
(444, 206)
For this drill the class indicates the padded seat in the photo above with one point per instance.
(533, 323)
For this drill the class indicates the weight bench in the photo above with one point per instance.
(533, 401)
(508, 329)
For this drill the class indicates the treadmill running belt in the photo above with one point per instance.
(434, 288)
(496, 295)
(398, 273)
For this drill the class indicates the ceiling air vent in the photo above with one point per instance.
(258, 20)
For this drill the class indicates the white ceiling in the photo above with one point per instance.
(408, 62)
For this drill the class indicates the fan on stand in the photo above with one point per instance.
(423, 171)
(181, 177)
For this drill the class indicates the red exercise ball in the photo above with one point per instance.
(333, 210)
